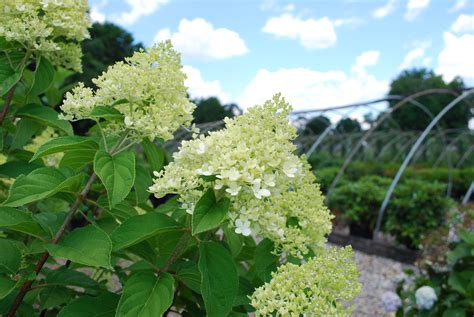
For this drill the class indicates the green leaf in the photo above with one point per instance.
(55, 296)
(460, 280)
(145, 295)
(101, 306)
(9, 82)
(467, 236)
(233, 240)
(209, 213)
(89, 245)
(41, 183)
(6, 286)
(25, 130)
(122, 211)
(67, 277)
(44, 75)
(155, 155)
(459, 252)
(190, 276)
(220, 280)
(10, 258)
(77, 159)
(454, 312)
(165, 244)
(46, 116)
(245, 290)
(169, 206)
(117, 173)
(14, 169)
(65, 144)
(50, 221)
(141, 227)
(265, 261)
(17, 220)
(105, 112)
(143, 181)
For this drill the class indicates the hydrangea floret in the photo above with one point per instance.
(391, 302)
(319, 287)
(425, 297)
(148, 89)
(251, 161)
(45, 136)
(52, 28)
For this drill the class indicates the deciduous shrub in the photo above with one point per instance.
(359, 202)
(79, 234)
(452, 283)
(416, 207)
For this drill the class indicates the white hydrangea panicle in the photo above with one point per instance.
(251, 161)
(319, 287)
(147, 88)
(296, 220)
(53, 28)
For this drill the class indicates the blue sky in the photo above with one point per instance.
(317, 53)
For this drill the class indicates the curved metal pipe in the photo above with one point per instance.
(409, 99)
(464, 156)
(449, 146)
(410, 155)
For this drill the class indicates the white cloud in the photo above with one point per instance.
(414, 8)
(272, 5)
(463, 24)
(414, 54)
(312, 33)
(418, 53)
(427, 61)
(352, 21)
(96, 15)
(456, 57)
(460, 4)
(367, 58)
(138, 9)
(385, 10)
(309, 89)
(198, 38)
(200, 88)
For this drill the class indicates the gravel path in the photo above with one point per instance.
(377, 276)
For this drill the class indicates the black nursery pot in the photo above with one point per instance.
(362, 230)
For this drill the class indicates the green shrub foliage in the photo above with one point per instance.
(80, 232)
(416, 207)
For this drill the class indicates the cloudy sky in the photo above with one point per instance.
(318, 53)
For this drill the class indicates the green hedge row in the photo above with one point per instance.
(416, 207)
(461, 178)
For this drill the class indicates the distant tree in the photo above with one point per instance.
(108, 44)
(412, 118)
(210, 110)
(317, 125)
(348, 125)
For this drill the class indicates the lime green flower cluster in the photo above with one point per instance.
(251, 161)
(148, 89)
(52, 28)
(296, 220)
(45, 136)
(320, 287)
